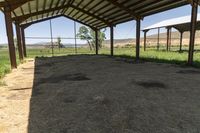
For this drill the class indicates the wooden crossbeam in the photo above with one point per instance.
(92, 15)
(22, 18)
(38, 21)
(53, 17)
(122, 7)
(13, 4)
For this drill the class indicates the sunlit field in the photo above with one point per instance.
(152, 54)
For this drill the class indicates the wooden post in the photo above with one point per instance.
(168, 30)
(19, 42)
(170, 38)
(145, 39)
(181, 40)
(23, 42)
(9, 30)
(111, 41)
(192, 31)
(158, 41)
(138, 23)
(97, 41)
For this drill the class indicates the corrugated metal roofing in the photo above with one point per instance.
(181, 23)
(94, 13)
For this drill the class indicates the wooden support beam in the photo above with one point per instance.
(168, 30)
(158, 39)
(40, 20)
(138, 27)
(124, 8)
(9, 30)
(19, 42)
(97, 41)
(112, 40)
(92, 15)
(145, 39)
(192, 30)
(22, 18)
(13, 4)
(170, 39)
(181, 41)
(23, 42)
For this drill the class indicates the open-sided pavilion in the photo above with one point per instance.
(96, 14)
(181, 24)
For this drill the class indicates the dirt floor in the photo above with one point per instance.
(99, 94)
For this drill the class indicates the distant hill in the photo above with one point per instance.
(152, 39)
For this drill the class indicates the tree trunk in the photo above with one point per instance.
(89, 45)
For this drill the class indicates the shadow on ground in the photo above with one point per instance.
(180, 63)
(97, 94)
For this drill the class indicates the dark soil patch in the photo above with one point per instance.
(66, 77)
(130, 61)
(188, 72)
(70, 99)
(151, 84)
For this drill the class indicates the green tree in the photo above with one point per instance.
(88, 35)
(59, 42)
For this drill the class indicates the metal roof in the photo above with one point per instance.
(94, 13)
(181, 23)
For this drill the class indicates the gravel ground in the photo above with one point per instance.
(99, 94)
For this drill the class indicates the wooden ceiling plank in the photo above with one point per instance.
(63, 3)
(24, 17)
(73, 8)
(89, 3)
(65, 10)
(91, 14)
(122, 7)
(57, 4)
(44, 6)
(50, 6)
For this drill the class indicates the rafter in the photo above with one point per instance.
(24, 17)
(13, 4)
(122, 7)
(92, 15)
(63, 3)
(74, 9)
(53, 17)
(50, 6)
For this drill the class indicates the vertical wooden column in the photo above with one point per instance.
(19, 42)
(23, 42)
(192, 31)
(97, 41)
(111, 41)
(9, 30)
(170, 38)
(145, 39)
(168, 30)
(181, 40)
(158, 39)
(138, 24)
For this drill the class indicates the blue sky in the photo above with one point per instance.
(64, 27)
